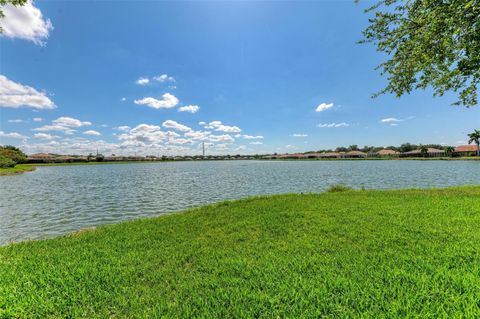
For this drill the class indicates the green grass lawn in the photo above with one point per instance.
(19, 168)
(370, 254)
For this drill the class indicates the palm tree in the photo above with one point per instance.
(475, 138)
(424, 150)
(449, 150)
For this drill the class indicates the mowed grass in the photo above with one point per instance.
(19, 168)
(370, 254)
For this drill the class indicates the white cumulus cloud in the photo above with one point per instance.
(176, 126)
(168, 101)
(221, 138)
(37, 119)
(70, 122)
(197, 135)
(63, 124)
(15, 121)
(143, 81)
(15, 95)
(25, 22)
(92, 132)
(189, 108)
(324, 106)
(220, 127)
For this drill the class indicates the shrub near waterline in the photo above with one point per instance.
(6, 162)
(13, 153)
(338, 188)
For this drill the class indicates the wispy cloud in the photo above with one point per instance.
(45, 136)
(164, 78)
(252, 137)
(334, 125)
(13, 135)
(390, 120)
(393, 121)
(299, 135)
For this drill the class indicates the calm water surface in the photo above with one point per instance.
(56, 200)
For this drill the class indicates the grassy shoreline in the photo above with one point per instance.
(18, 169)
(395, 253)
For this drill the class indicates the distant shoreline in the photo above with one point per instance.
(22, 168)
(465, 158)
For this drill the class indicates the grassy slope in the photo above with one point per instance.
(19, 168)
(370, 253)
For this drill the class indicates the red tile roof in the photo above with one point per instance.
(466, 148)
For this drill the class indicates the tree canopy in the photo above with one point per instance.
(13, 153)
(430, 43)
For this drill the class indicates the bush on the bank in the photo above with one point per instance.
(6, 162)
(339, 188)
(13, 153)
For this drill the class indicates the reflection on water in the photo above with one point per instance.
(61, 199)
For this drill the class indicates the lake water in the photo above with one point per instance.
(56, 200)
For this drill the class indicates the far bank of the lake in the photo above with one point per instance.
(464, 158)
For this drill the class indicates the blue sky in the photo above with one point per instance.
(254, 72)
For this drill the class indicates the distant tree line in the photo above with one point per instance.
(405, 147)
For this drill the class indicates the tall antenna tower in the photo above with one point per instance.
(203, 148)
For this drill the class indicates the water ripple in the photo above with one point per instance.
(56, 200)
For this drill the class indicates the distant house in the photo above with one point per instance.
(313, 155)
(387, 153)
(114, 158)
(292, 156)
(354, 154)
(466, 150)
(431, 152)
(331, 155)
(40, 158)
